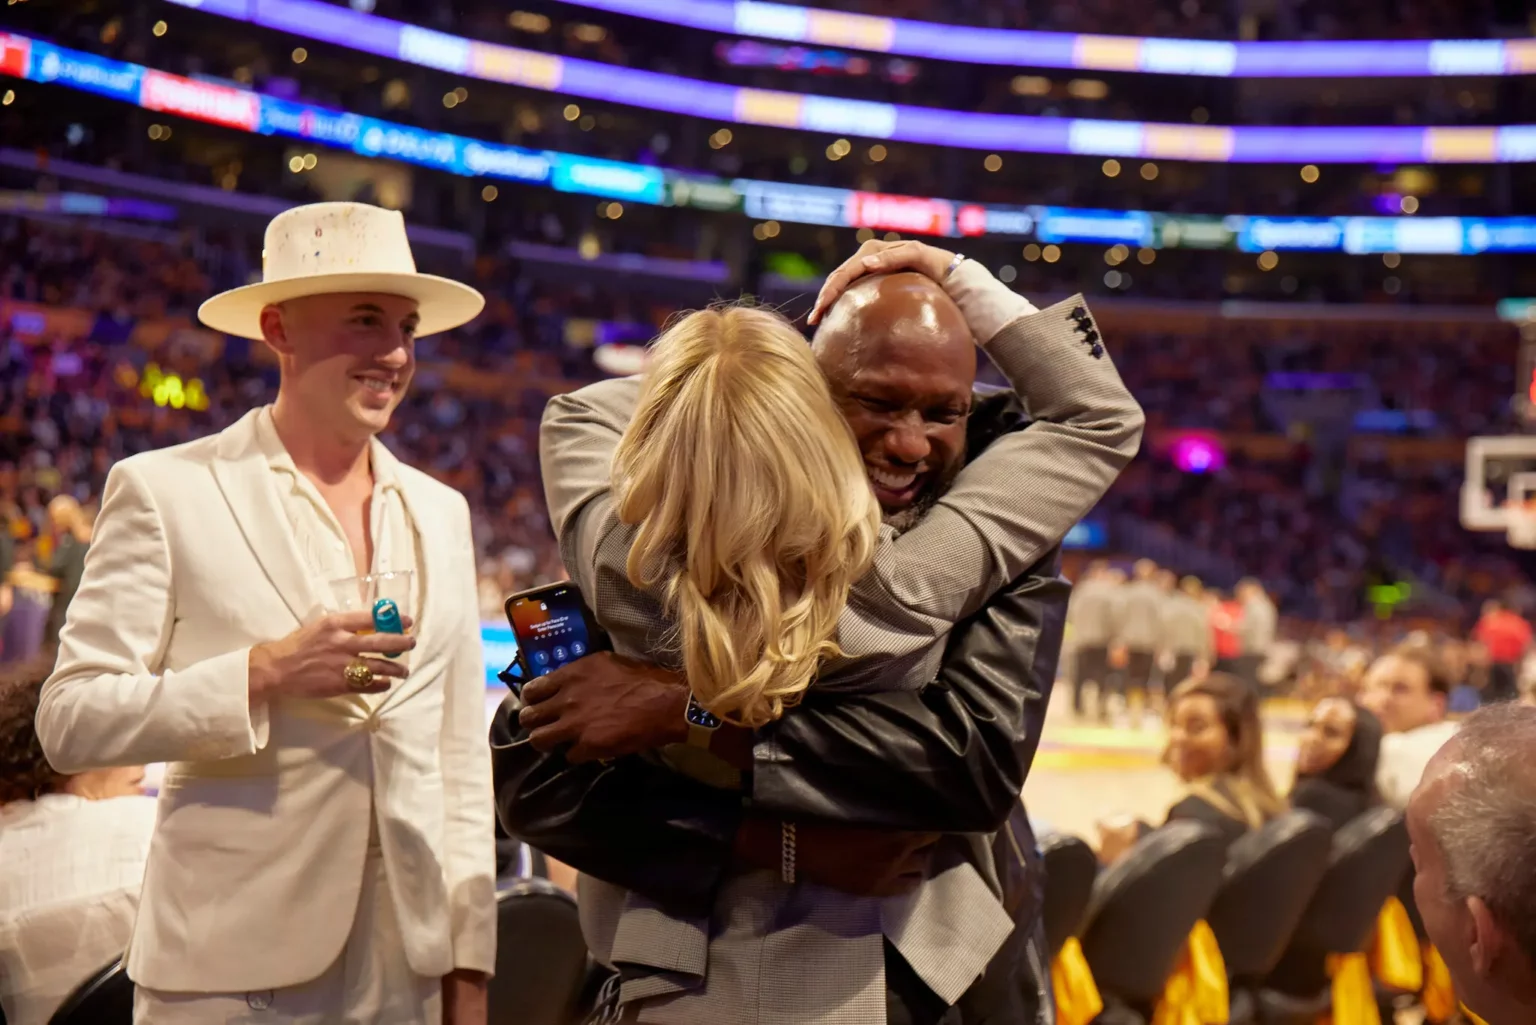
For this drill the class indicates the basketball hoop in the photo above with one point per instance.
(1522, 527)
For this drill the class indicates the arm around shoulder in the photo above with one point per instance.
(110, 701)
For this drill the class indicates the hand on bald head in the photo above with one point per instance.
(902, 318)
(899, 358)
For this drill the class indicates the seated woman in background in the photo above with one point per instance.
(1216, 746)
(1336, 762)
(73, 850)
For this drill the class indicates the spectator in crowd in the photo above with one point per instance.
(31, 599)
(327, 840)
(1187, 631)
(1090, 626)
(1336, 762)
(73, 850)
(72, 536)
(1472, 823)
(1139, 629)
(1226, 623)
(1216, 747)
(1407, 690)
(1506, 637)
(1256, 630)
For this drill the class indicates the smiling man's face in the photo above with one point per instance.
(902, 365)
(349, 357)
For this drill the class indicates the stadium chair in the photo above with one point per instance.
(1142, 910)
(1270, 877)
(1367, 862)
(541, 959)
(106, 998)
(1070, 869)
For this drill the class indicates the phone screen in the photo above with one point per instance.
(551, 628)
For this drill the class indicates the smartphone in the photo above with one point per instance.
(553, 626)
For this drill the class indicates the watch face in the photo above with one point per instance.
(701, 716)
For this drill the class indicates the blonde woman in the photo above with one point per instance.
(751, 511)
(716, 515)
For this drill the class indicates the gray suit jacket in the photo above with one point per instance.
(801, 953)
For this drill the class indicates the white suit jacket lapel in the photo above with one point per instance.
(418, 511)
(245, 477)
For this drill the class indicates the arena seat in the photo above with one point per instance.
(541, 958)
(106, 998)
(1270, 877)
(1369, 857)
(1070, 869)
(1143, 908)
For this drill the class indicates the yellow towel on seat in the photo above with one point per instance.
(1439, 996)
(1396, 961)
(1354, 994)
(1196, 992)
(1077, 996)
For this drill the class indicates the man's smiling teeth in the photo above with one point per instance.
(378, 384)
(893, 481)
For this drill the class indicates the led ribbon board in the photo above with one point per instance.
(243, 110)
(1398, 58)
(1015, 133)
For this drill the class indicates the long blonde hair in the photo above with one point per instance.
(755, 513)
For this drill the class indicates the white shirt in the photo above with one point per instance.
(68, 894)
(1403, 758)
(321, 540)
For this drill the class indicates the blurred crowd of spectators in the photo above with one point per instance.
(1318, 526)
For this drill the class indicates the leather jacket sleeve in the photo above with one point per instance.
(630, 822)
(949, 758)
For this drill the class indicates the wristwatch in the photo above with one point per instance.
(702, 723)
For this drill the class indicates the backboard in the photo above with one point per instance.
(1500, 482)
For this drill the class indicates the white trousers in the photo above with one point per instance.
(371, 983)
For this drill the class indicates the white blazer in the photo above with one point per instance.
(256, 865)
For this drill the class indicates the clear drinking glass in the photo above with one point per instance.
(361, 594)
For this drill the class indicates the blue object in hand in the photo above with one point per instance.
(386, 619)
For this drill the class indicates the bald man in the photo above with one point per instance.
(902, 365)
(1472, 822)
(868, 778)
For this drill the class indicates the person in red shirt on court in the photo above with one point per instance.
(1226, 619)
(1506, 636)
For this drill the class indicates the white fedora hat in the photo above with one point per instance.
(325, 248)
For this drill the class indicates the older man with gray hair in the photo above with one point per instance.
(1472, 821)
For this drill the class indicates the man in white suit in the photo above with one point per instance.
(325, 850)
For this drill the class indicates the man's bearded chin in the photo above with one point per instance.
(904, 520)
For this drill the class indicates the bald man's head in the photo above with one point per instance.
(902, 365)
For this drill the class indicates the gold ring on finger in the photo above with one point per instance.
(359, 676)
